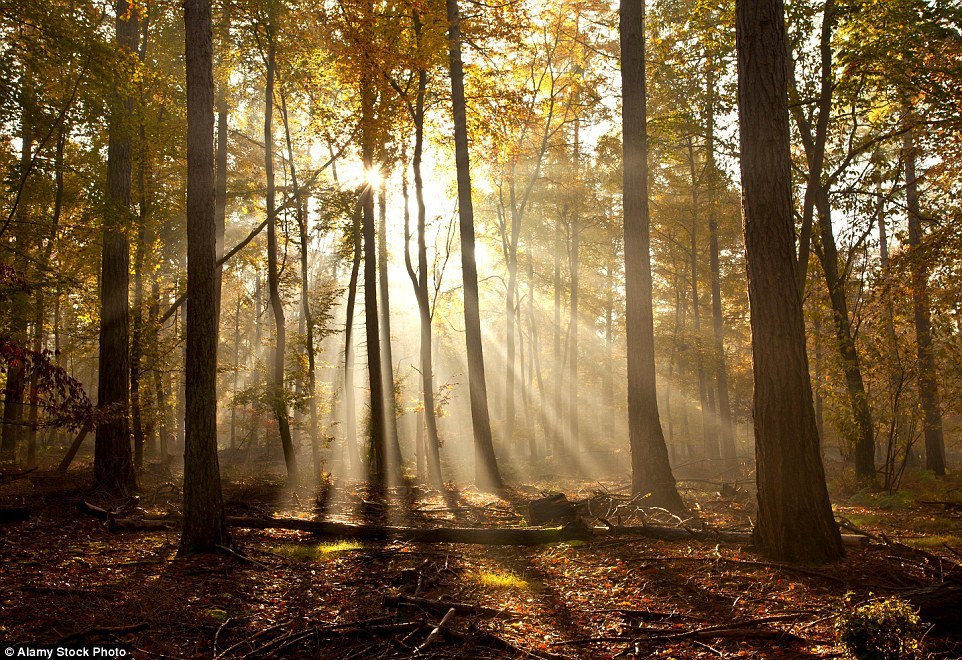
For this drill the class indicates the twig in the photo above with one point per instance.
(437, 630)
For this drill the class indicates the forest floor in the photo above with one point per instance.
(64, 576)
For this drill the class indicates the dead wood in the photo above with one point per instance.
(445, 605)
(433, 635)
(8, 477)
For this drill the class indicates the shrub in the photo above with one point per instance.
(887, 629)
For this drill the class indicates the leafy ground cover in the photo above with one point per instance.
(289, 594)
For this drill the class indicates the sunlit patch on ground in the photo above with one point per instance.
(317, 552)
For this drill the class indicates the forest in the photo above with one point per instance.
(481, 328)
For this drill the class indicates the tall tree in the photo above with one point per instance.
(277, 394)
(204, 526)
(486, 465)
(928, 383)
(113, 460)
(650, 470)
(795, 520)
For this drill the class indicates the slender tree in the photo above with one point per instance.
(795, 519)
(650, 470)
(486, 465)
(929, 399)
(204, 526)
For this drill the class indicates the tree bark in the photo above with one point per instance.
(204, 527)
(113, 460)
(387, 355)
(383, 470)
(486, 466)
(278, 402)
(928, 382)
(729, 450)
(650, 470)
(306, 313)
(431, 457)
(795, 520)
(709, 440)
(350, 408)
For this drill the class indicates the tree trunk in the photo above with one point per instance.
(795, 520)
(236, 365)
(113, 462)
(928, 382)
(573, 440)
(431, 457)
(15, 381)
(220, 165)
(387, 356)
(204, 527)
(710, 442)
(486, 466)
(383, 470)
(350, 408)
(306, 314)
(650, 470)
(845, 341)
(276, 395)
(726, 427)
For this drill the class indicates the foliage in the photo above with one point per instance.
(883, 629)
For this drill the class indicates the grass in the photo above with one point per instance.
(503, 580)
(316, 552)
(934, 541)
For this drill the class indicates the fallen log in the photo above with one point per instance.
(469, 535)
(524, 536)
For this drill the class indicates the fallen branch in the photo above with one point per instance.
(445, 605)
(8, 477)
(433, 635)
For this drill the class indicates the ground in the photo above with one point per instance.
(288, 594)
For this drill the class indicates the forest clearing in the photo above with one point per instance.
(481, 328)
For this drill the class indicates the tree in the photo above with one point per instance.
(795, 520)
(650, 470)
(486, 465)
(928, 383)
(113, 460)
(204, 526)
(276, 394)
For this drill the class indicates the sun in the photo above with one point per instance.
(373, 177)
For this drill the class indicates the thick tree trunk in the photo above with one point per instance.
(278, 402)
(795, 520)
(650, 470)
(15, 381)
(204, 527)
(486, 465)
(113, 462)
(928, 382)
